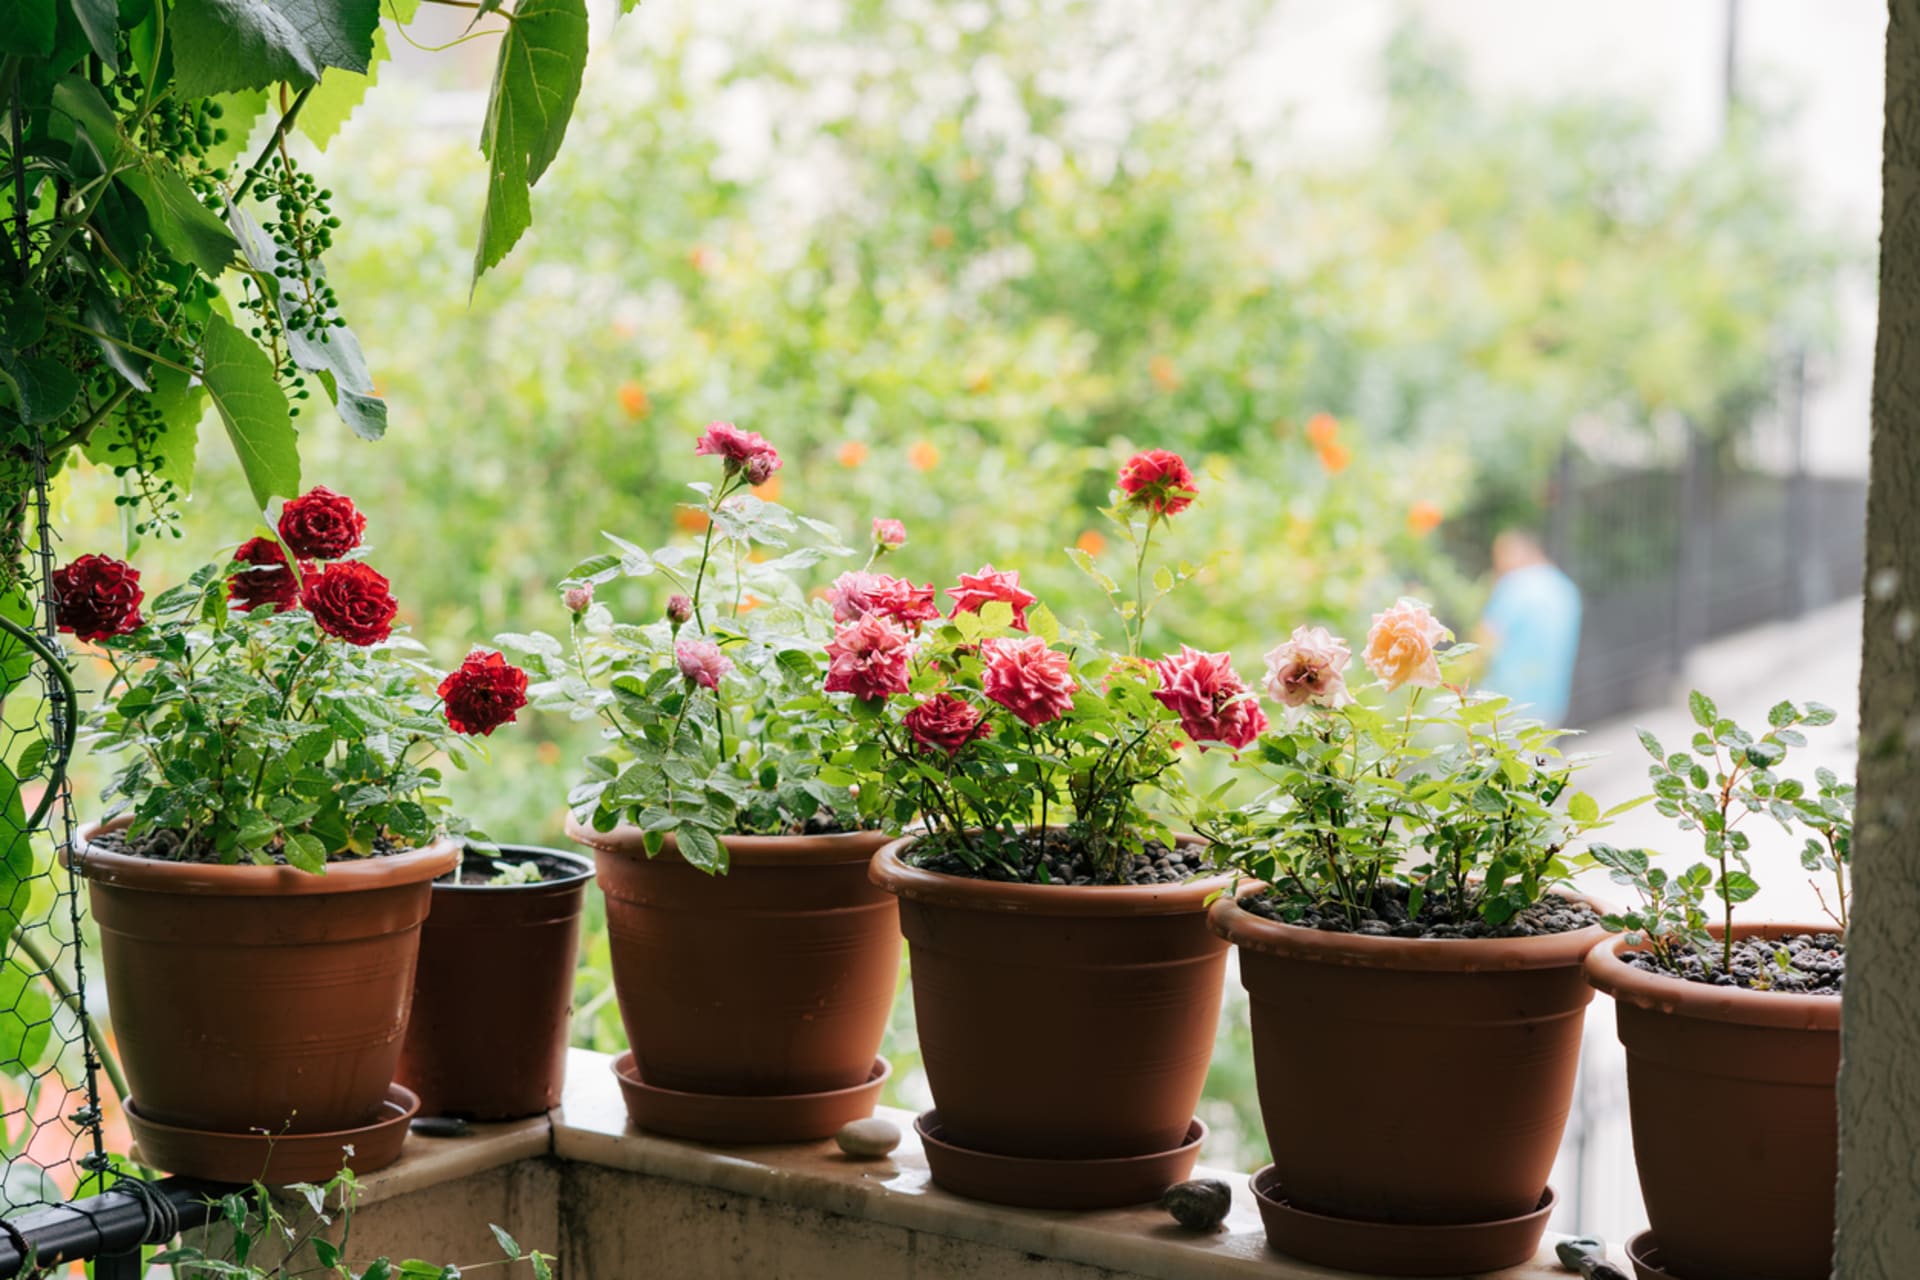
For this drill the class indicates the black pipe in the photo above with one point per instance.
(117, 1222)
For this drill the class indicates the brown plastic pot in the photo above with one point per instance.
(247, 997)
(493, 993)
(775, 978)
(1060, 1022)
(1485, 1031)
(1734, 1129)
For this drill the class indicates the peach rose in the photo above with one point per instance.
(1400, 645)
(1309, 670)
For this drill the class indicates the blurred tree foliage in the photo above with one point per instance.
(957, 259)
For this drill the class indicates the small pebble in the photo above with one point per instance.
(1200, 1205)
(868, 1139)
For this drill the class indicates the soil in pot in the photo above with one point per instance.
(775, 978)
(1061, 1021)
(1060, 861)
(493, 993)
(1485, 1029)
(1731, 1092)
(259, 997)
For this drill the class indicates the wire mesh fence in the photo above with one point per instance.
(53, 1118)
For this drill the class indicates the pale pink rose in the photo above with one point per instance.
(1400, 645)
(1213, 703)
(891, 534)
(578, 599)
(868, 658)
(1309, 670)
(1027, 678)
(702, 662)
(856, 593)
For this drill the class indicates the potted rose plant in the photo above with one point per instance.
(263, 868)
(497, 951)
(1066, 989)
(1407, 926)
(754, 964)
(1732, 1030)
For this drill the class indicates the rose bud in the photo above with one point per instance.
(578, 599)
(679, 610)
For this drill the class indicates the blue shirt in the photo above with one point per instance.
(1534, 615)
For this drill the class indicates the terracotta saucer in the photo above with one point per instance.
(1397, 1249)
(1644, 1253)
(275, 1158)
(747, 1119)
(1033, 1183)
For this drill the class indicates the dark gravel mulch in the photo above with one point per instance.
(1387, 917)
(165, 846)
(1816, 965)
(1065, 862)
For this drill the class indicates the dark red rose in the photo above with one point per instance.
(321, 523)
(945, 723)
(271, 582)
(351, 601)
(1160, 479)
(483, 693)
(98, 597)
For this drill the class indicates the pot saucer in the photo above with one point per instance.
(1035, 1183)
(1397, 1249)
(746, 1119)
(275, 1159)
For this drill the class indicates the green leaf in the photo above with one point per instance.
(43, 387)
(306, 852)
(1582, 807)
(1651, 744)
(701, 849)
(100, 19)
(223, 45)
(1781, 714)
(102, 315)
(337, 96)
(184, 227)
(1738, 886)
(28, 28)
(26, 1020)
(508, 1245)
(169, 451)
(535, 82)
(1704, 712)
(239, 377)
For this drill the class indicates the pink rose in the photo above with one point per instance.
(891, 534)
(1160, 479)
(701, 662)
(1400, 645)
(856, 593)
(868, 658)
(945, 723)
(1309, 670)
(746, 451)
(578, 599)
(1027, 678)
(1213, 704)
(679, 610)
(977, 589)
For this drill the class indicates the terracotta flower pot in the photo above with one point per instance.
(247, 997)
(1734, 1129)
(1411, 1080)
(493, 993)
(1060, 1022)
(775, 978)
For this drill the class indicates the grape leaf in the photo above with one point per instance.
(535, 82)
(240, 379)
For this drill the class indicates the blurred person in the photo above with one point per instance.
(1530, 628)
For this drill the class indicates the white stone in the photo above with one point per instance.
(868, 1139)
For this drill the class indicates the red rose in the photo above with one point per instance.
(1213, 704)
(1158, 478)
(946, 723)
(97, 598)
(857, 593)
(977, 589)
(321, 523)
(351, 601)
(1027, 678)
(868, 658)
(271, 582)
(747, 451)
(483, 693)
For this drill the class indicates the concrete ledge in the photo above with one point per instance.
(617, 1204)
